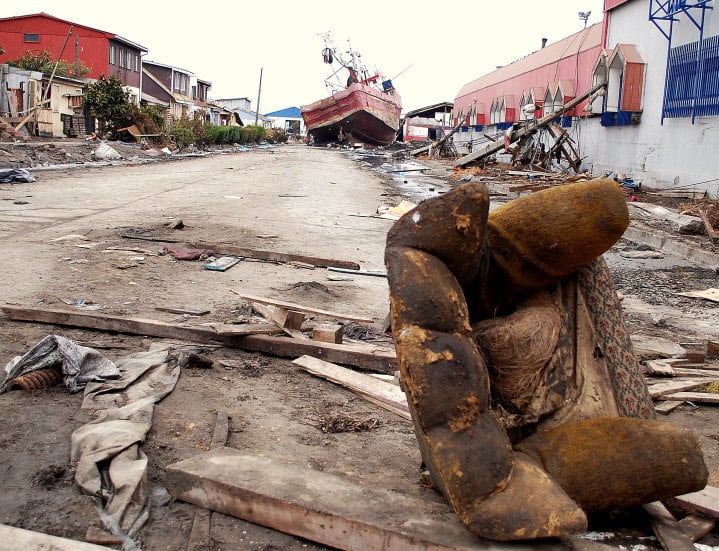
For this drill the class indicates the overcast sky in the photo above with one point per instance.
(429, 49)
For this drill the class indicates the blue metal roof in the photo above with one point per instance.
(287, 113)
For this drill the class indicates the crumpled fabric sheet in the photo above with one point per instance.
(80, 364)
(183, 251)
(10, 175)
(111, 464)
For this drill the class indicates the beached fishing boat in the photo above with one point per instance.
(365, 108)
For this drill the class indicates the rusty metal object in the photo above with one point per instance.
(39, 379)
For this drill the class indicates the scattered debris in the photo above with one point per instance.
(385, 395)
(346, 423)
(223, 263)
(79, 365)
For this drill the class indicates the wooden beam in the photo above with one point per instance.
(701, 397)
(386, 395)
(339, 512)
(275, 316)
(362, 356)
(704, 501)
(530, 128)
(667, 529)
(301, 308)
(660, 389)
(696, 526)
(273, 256)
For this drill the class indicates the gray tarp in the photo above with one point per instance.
(79, 364)
(9, 175)
(108, 450)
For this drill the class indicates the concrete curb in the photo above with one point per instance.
(677, 247)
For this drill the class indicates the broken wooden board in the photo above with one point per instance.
(365, 357)
(700, 397)
(661, 389)
(711, 231)
(199, 539)
(386, 395)
(662, 368)
(135, 326)
(696, 526)
(668, 531)
(328, 333)
(12, 538)
(325, 508)
(273, 256)
(278, 317)
(183, 311)
(665, 407)
(708, 294)
(301, 308)
(704, 501)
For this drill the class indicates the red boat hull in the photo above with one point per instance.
(359, 111)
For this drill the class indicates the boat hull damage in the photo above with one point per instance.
(360, 112)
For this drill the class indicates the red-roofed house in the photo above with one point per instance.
(102, 52)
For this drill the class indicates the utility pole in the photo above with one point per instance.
(259, 92)
(77, 55)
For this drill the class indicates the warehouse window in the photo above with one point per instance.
(31, 37)
(692, 87)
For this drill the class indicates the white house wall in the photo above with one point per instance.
(662, 156)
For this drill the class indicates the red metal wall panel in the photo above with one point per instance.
(575, 67)
(611, 4)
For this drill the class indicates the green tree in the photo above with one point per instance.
(43, 62)
(107, 101)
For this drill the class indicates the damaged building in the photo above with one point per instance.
(655, 117)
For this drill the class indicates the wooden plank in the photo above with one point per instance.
(335, 511)
(671, 387)
(221, 431)
(240, 329)
(366, 357)
(704, 501)
(184, 311)
(667, 406)
(328, 333)
(702, 397)
(530, 128)
(272, 314)
(667, 529)
(711, 231)
(301, 308)
(696, 527)
(135, 326)
(12, 538)
(199, 539)
(273, 256)
(384, 394)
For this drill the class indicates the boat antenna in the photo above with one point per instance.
(403, 70)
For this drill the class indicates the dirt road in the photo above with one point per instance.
(89, 239)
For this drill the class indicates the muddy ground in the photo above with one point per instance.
(60, 238)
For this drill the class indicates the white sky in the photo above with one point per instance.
(440, 47)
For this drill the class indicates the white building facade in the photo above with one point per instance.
(674, 141)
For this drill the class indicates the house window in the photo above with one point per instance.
(113, 55)
(692, 87)
(122, 58)
(31, 37)
(137, 63)
(129, 59)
